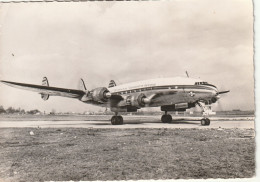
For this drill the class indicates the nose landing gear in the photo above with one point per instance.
(206, 111)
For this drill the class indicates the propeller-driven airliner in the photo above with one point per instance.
(171, 94)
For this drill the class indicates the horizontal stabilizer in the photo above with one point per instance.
(112, 83)
(45, 83)
(82, 85)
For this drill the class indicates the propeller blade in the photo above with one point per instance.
(218, 106)
(223, 92)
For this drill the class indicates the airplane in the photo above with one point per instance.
(171, 94)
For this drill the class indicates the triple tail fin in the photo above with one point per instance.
(81, 85)
(112, 83)
(45, 83)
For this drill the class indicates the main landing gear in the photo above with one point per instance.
(166, 118)
(117, 120)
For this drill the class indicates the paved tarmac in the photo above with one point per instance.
(137, 122)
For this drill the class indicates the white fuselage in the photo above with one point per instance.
(172, 90)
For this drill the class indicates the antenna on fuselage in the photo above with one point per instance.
(187, 74)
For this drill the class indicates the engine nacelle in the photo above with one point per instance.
(100, 94)
(136, 100)
(177, 107)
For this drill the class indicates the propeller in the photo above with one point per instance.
(219, 103)
(223, 92)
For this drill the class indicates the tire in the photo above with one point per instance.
(203, 122)
(207, 121)
(117, 120)
(113, 120)
(121, 120)
(169, 118)
(166, 118)
(163, 118)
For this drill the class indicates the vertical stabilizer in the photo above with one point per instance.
(45, 83)
(112, 83)
(82, 85)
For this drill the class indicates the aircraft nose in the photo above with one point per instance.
(215, 95)
(216, 91)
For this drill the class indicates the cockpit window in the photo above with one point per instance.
(204, 83)
(201, 83)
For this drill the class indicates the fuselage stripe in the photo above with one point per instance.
(168, 87)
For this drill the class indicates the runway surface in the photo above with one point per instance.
(135, 122)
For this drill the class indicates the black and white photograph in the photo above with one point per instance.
(127, 90)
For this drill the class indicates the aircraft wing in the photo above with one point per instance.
(159, 94)
(52, 91)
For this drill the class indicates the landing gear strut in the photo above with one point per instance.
(166, 118)
(206, 110)
(117, 120)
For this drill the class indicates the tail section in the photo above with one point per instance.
(45, 83)
(81, 85)
(112, 83)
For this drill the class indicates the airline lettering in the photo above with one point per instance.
(135, 87)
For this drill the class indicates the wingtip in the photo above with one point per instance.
(4, 81)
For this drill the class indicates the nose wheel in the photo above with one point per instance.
(117, 120)
(205, 121)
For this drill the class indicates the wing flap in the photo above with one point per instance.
(52, 91)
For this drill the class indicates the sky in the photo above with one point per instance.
(125, 41)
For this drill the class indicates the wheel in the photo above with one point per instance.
(169, 118)
(203, 122)
(207, 121)
(117, 120)
(121, 120)
(166, 118)
(113, 120)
